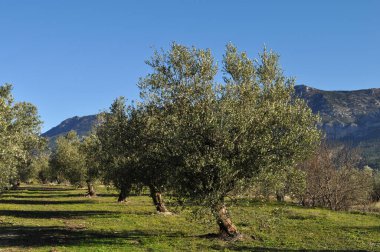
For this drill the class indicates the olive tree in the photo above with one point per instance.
(66, 160)
(150, 162)
(130, 153)
(27, 124)
(216, 138)
(41, 168)
(7, 149)
(90, 150)
(19, 138)
(76, 160)
(289, 182)
(113, 138)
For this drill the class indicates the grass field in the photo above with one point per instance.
(53, 218)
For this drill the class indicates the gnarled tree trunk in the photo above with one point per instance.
(157, 200)
(227, 230)
(91, 191)
(124, 193)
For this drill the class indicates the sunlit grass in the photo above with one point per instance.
(57, 218)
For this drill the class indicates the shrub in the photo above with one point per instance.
(333, 179)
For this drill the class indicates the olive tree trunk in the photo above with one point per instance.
(227, 230)
(91, 191)
(157, 200)
(125, 190)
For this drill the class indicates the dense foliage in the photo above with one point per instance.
(66, 160)
(90, 151)
(19, 138)
(114, 140)
(217, 138)
(130, 153)
(74, 159)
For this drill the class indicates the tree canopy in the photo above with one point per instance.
(218, 137)
(66, 160)
(19, 137)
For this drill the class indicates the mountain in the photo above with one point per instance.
(82, 125)
(351, 117)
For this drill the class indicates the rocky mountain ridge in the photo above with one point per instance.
(351, 117)
(81, 124)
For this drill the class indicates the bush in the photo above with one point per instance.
(333, 179)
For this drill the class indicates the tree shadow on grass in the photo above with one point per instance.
(53, 194)
(35, 193)
(107, 195)
(44, 202)
(42, 189)
(56, 214)
(237, 247)
(363, 229)
(23, 236)
(46, 196)
(29, 237)
(32, 236)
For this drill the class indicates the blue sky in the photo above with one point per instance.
(74, 57)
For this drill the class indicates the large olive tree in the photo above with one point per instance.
(216, 138)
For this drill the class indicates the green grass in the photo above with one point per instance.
(55, 218)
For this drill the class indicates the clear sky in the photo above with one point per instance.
(74, 57)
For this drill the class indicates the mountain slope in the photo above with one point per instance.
(351, 117)
(82, 125)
